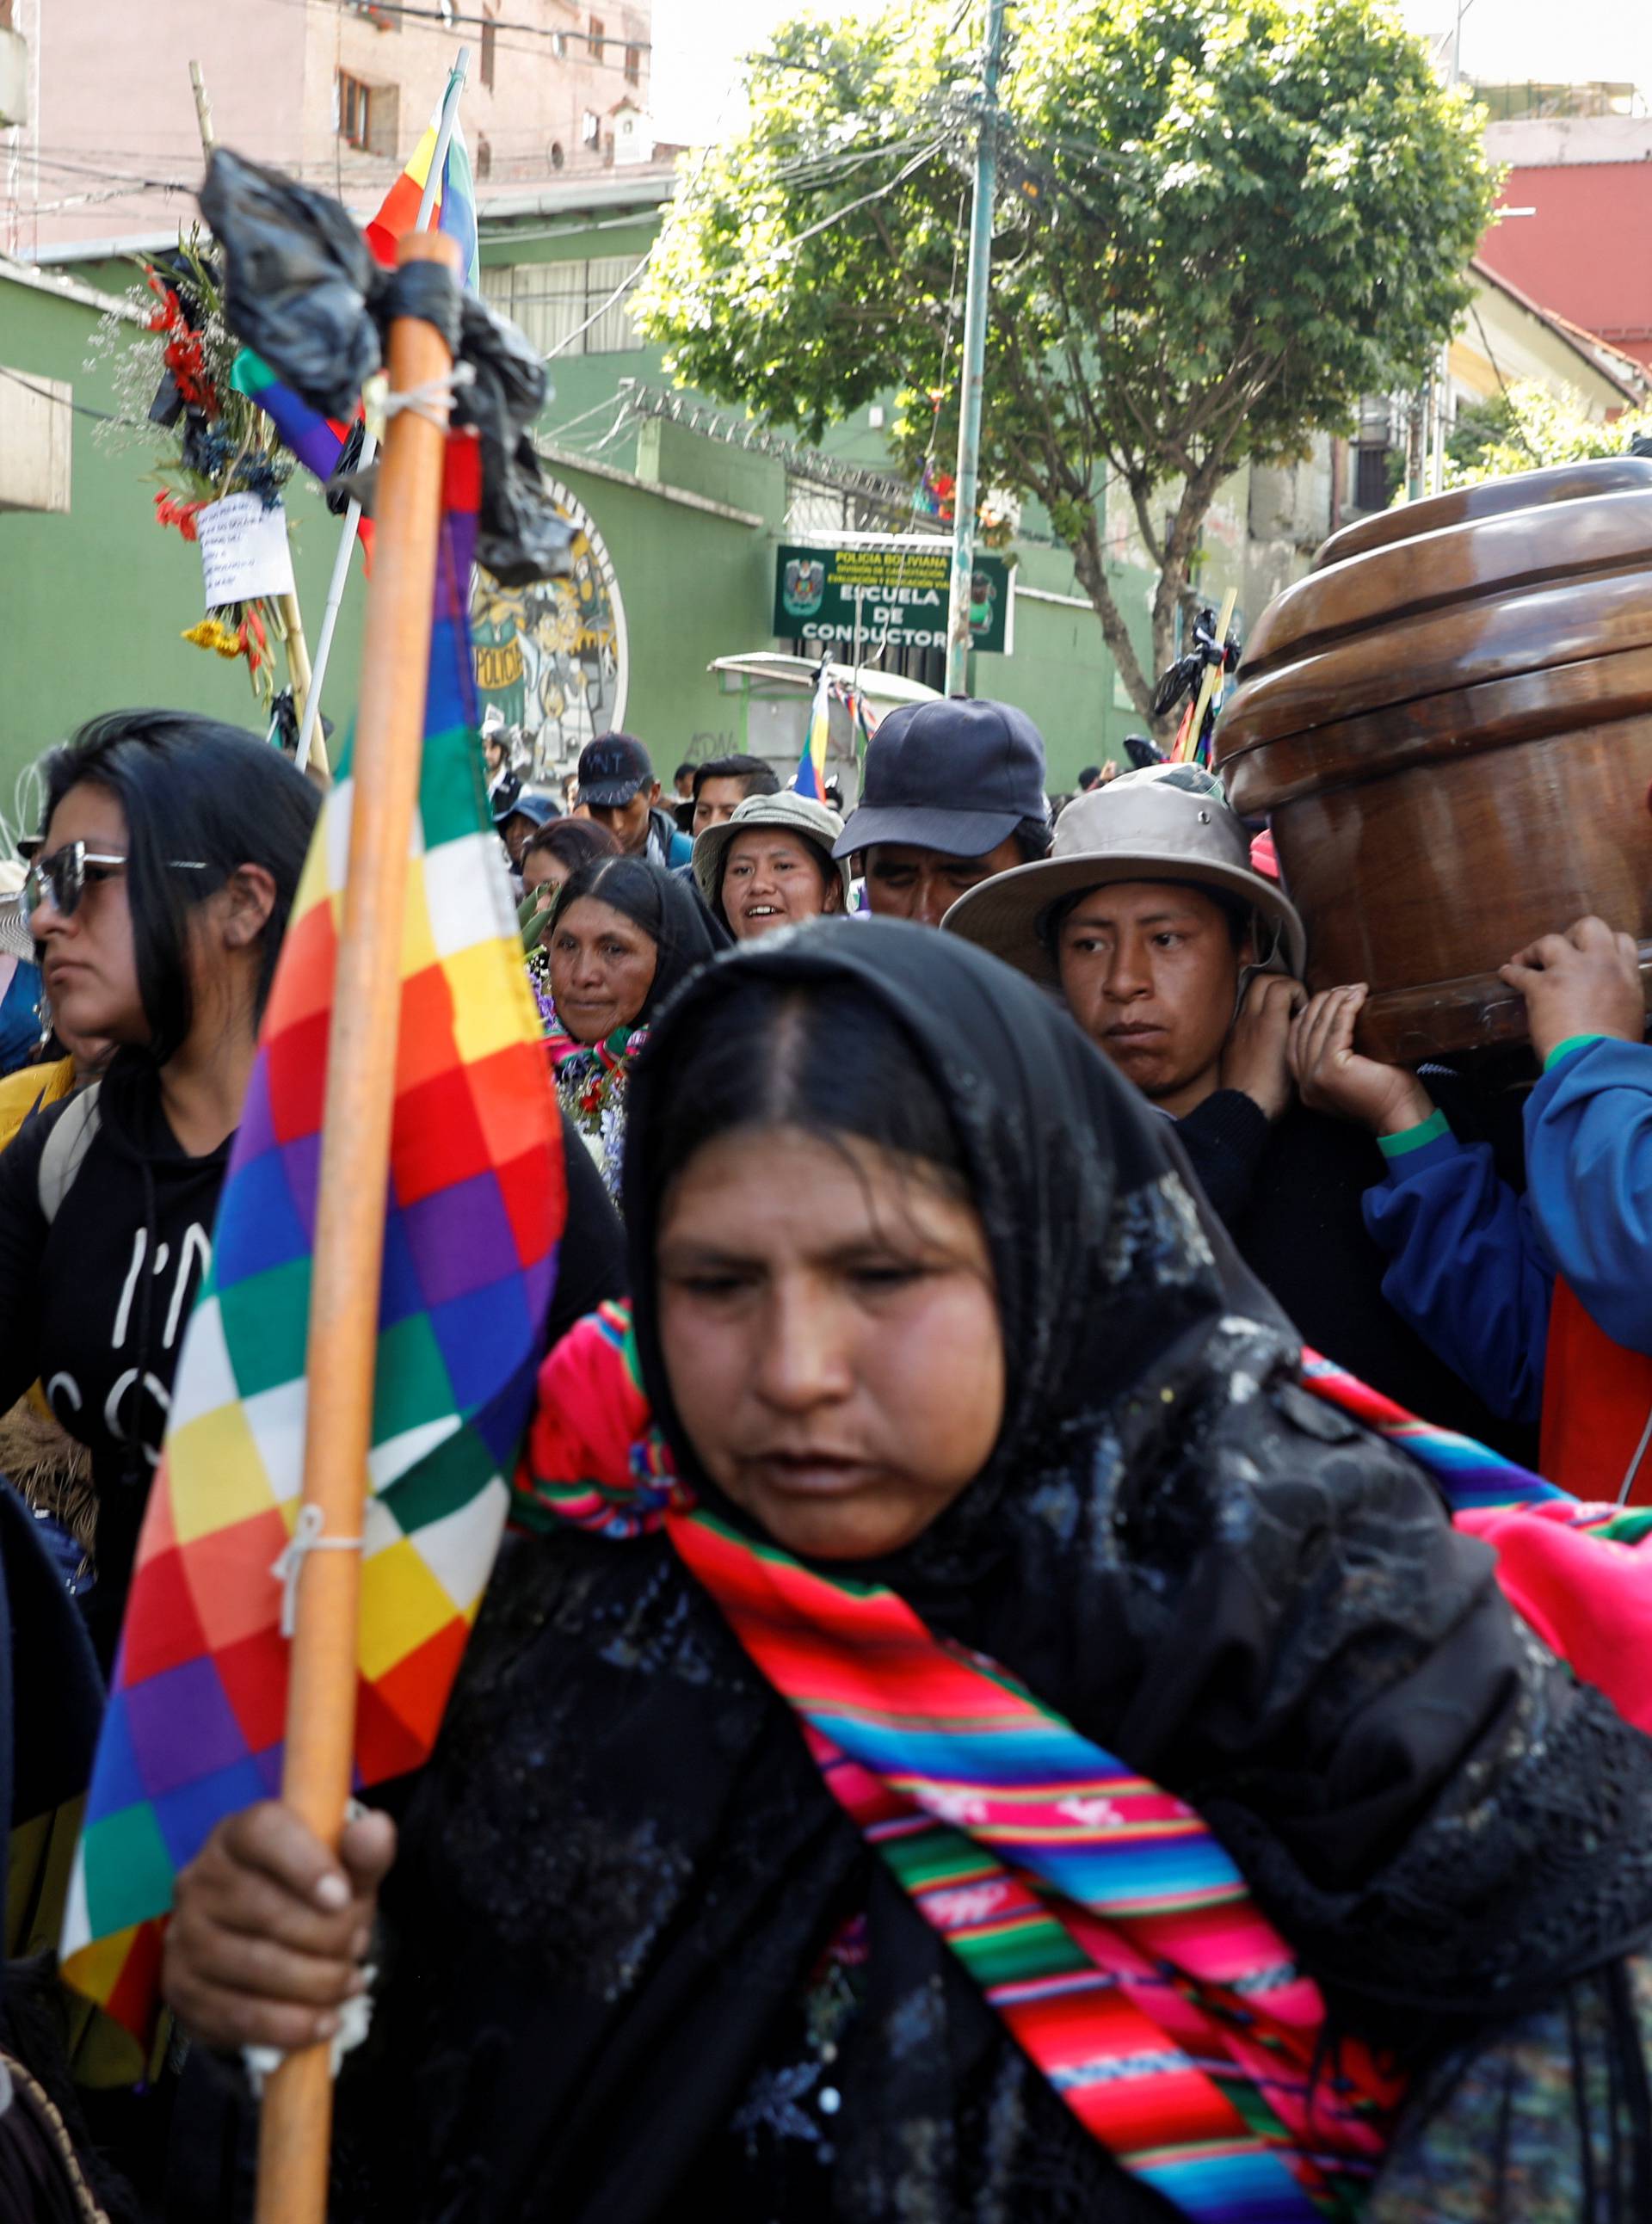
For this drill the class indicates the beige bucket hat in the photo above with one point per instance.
(1169, 822)
(788, 812)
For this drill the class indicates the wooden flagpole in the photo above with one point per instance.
(348, 1254)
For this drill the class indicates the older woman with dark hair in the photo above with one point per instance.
(984, 1742)
(623, 934)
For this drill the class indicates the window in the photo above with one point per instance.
(552, 300)
(384, 121)
(613, 333)
(633, 65)
(597, 42)
(591, 128)
(353, 103)
(483, 155)
(1372, 488)
(549, 302)
(489, 39)
(559, 45)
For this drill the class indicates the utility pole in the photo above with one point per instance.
(1442, 370)
(977, 292)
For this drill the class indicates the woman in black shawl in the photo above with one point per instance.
(622, 935)
(635, 1955)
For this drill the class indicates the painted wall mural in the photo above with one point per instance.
(553, 657)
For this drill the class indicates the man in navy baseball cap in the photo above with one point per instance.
(618, 787)
(954, 792)
(528, 810)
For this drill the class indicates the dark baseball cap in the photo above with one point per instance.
(956, 775)
(532, 803)
(612, 769)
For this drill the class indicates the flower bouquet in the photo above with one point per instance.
(218, 448)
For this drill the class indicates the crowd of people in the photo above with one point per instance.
(950, 1193)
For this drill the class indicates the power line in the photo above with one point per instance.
(61, 401)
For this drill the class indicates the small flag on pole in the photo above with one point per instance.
(455, 210)
(811, 768)
(318, 441)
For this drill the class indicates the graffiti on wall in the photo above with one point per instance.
(552, 656)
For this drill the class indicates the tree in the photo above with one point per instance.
(1526, 426)
(1219, 223)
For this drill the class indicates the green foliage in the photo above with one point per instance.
(1219, 223)
(1527, 426)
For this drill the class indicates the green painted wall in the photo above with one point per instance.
(93, 604)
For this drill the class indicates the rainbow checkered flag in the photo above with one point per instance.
(811, 769)
(475, 1204)
(455, 208)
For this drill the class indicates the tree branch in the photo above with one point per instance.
(1090, 564)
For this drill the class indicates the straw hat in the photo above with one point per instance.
(1169, 822)
(789, 813)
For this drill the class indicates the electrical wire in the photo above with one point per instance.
(866, 199)
(80, 408)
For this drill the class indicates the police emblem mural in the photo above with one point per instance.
(553, 657)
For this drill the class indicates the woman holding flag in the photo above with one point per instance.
(167, 871)
(980, 1739)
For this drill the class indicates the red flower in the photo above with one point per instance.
(180, 513)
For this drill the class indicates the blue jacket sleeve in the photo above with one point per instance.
(1589, 1180)
(1466, 1268)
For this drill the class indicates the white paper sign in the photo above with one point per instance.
(243, 550)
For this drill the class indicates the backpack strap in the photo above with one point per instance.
(72, 1135)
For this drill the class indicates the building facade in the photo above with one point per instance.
(336, 91)
(1577, 215)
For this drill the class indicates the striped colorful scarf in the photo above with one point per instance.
(1102, 1920)
(1571, 1569)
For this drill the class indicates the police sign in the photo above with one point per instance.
(892, 594)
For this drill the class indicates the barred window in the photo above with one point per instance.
(615, 331)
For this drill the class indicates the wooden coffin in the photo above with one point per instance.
(1449, 722)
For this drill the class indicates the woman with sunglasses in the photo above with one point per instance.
(170, 856)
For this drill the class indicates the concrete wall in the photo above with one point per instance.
(1503, 341)
(113, 104)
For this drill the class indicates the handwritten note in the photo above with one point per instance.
(243, 550)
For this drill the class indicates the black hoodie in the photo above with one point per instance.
(95, 1302)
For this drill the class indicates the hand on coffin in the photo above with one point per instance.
(1586, 981)
(269, 1930)
(1332, 1077)
(1256, 1058)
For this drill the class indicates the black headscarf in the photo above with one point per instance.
(1174, 1543)
(668, 911)
(633, 1864)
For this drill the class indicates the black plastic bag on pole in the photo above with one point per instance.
(302, 290)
